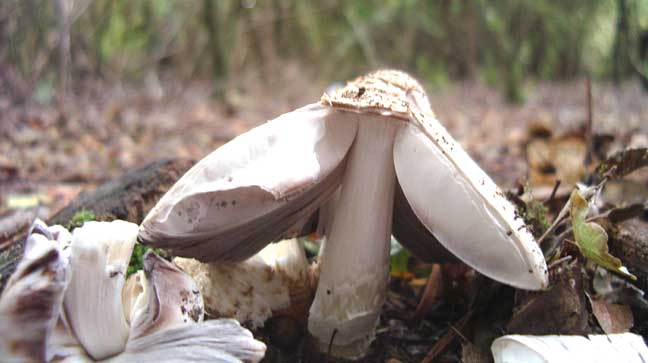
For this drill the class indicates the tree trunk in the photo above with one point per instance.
(63, 12)
(620, 40)
(211, 22)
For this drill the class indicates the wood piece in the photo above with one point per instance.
(129, 197)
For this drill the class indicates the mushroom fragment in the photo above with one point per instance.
(30, 303)
(626, 347)
(165, 309)
(378, 140)
(275, 281)
(93, 304)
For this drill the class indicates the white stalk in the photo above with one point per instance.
(355, 258)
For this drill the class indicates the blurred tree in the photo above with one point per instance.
(214, 44)
(504, 42)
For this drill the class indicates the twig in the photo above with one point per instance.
(447, 338)
(553, 192)
(559, 218)
(559, 261)
(463, 337)
(587, 193)
(588, 126)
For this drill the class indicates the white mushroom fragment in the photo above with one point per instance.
(275, 281)
(626, 348)
(165, 308)
(397, 167)
(93, 304)
(31, 301)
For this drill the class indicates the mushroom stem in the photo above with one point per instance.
(355, 257)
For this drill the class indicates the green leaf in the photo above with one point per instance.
(394, 246)
(135, 264)
(399, 263)
(592, 238)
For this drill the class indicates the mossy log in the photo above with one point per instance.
(128, 198)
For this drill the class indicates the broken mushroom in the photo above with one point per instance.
(49, 316)
(31, 301)
(374, 137)
(594, 348)
(275, 281)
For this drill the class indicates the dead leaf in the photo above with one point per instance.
(622, 163)
(556, 159)
(613, 318)
(432, 293)
(24, 201)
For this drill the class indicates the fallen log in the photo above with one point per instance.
(128, 198)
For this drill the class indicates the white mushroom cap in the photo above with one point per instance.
(255, 189)
(595, 348)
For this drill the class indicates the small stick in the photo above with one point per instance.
(553, 192)
(588, 126)
(442, 344)
(559, 261)
(588, 193)
(559, 218)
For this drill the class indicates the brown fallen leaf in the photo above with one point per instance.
(558, 158)
(622, 163)
(432, 293)
(613, 318)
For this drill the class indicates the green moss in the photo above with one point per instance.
(135, 263)
(80, 218)
(536, 215)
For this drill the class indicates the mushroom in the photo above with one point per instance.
(594, 348)
(378, 140)
(276, 281)
(31, 301)
(66, 304)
